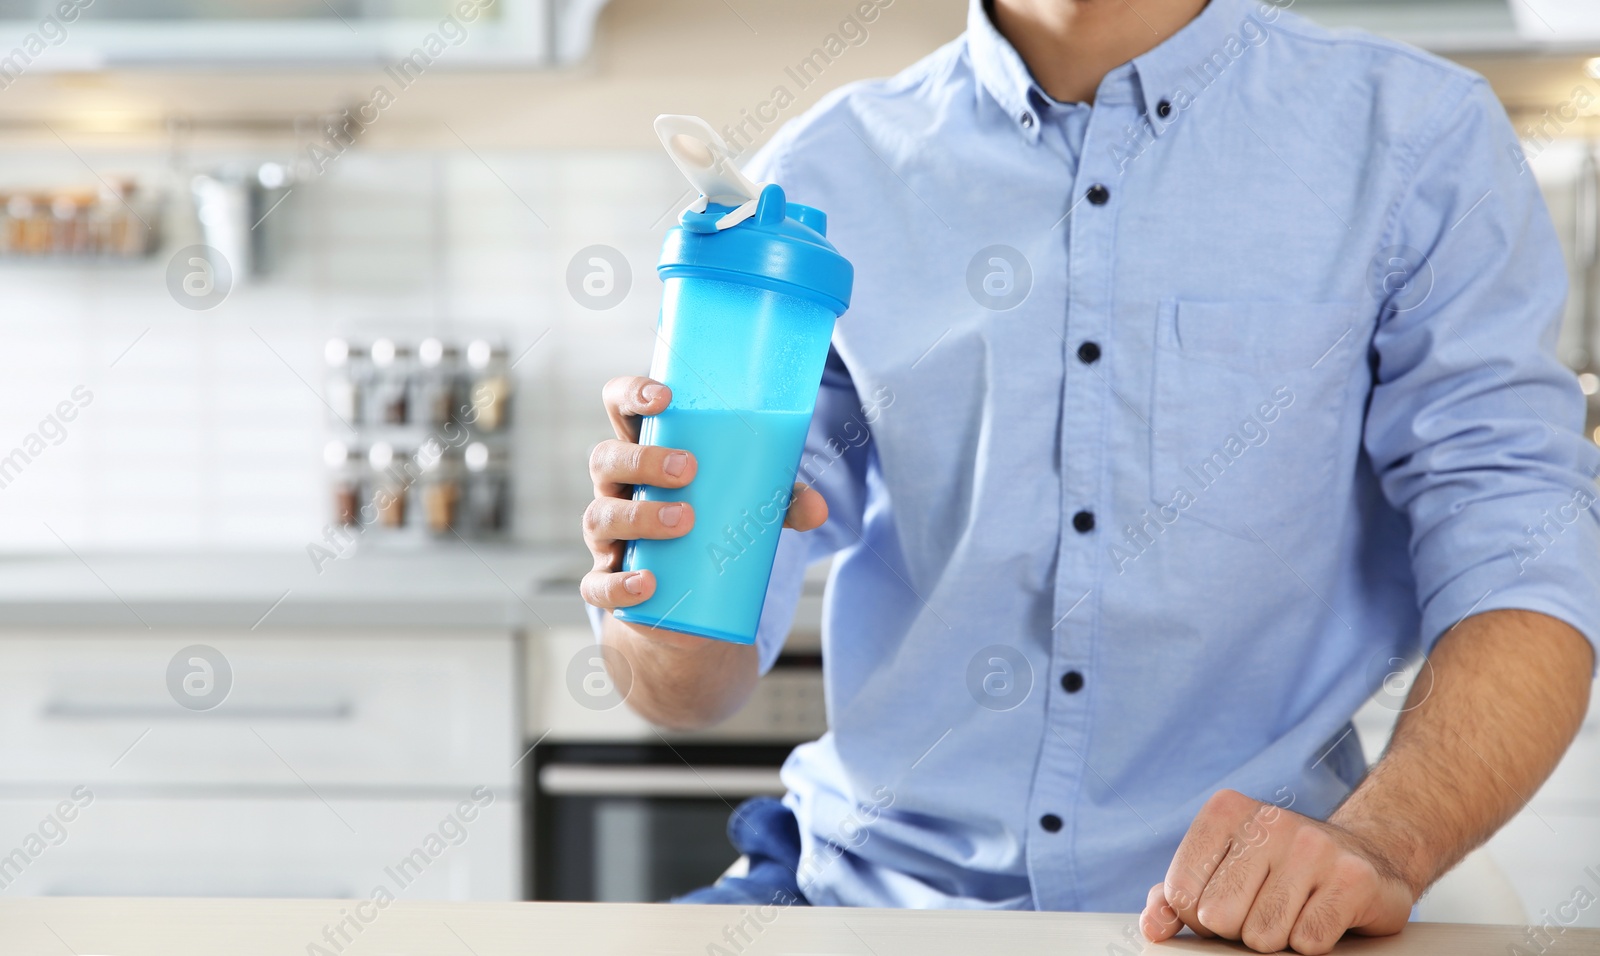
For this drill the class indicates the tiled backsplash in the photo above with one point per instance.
(204, 430)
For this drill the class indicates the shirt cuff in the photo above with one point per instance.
(1556, 573)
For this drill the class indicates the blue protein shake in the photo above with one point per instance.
(751, 291)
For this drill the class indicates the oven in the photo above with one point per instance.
(619, 811)
(626, 823)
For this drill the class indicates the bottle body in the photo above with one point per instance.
(744, 363)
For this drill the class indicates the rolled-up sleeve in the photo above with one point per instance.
(1475, 428)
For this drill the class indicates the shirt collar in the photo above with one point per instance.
(1189, 61)
(1000, 70)
(1172, 73)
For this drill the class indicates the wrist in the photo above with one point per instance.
(678, 680)
(1394, 848)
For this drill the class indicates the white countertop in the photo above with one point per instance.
(456, 585)
(177, 927)
(532, 588)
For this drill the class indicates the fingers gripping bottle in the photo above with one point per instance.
(751, 289)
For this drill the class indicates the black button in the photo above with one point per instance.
(1072, 682)
(1026, 120)
(1164, 109)
(1099, 195)
(1083, 522)
(1088, 353)
(1050, 822)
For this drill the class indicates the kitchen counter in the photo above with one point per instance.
(452, 585)
(179, 927)
(448, 586)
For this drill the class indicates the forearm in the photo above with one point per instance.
(679, 680)
(1492, 712)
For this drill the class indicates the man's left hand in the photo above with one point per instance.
(1258, 873)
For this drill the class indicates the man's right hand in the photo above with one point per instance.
(613, 518)
(675, 680)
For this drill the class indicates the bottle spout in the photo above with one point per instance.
(705, 160)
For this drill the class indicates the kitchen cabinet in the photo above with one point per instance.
(295, 846)
(330, 756)
(388, 710)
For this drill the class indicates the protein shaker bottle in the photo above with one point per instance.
(751, 289)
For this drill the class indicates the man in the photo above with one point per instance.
(1206, 358)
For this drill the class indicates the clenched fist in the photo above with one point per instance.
(1272, 878)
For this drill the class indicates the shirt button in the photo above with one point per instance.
(1099, 195)
(1072, 682)
(1088, 353)
(1050, 822)
(1026, 119)
(1083, 522)
(1164, 109)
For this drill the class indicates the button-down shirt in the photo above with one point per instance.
(1158, 436)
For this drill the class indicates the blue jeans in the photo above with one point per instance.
(766, 833)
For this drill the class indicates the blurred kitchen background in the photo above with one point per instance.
(273, 620)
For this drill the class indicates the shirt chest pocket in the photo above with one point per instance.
(1248, 411)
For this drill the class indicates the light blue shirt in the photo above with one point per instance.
(1071, 599)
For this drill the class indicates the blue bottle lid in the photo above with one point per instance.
(779, 245)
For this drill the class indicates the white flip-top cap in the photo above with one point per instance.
(705, 160)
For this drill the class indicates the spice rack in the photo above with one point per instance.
(426, 447)
(116, 221)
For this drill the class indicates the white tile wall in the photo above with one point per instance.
(200, 437)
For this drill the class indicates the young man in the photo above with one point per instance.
(1206, 359)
